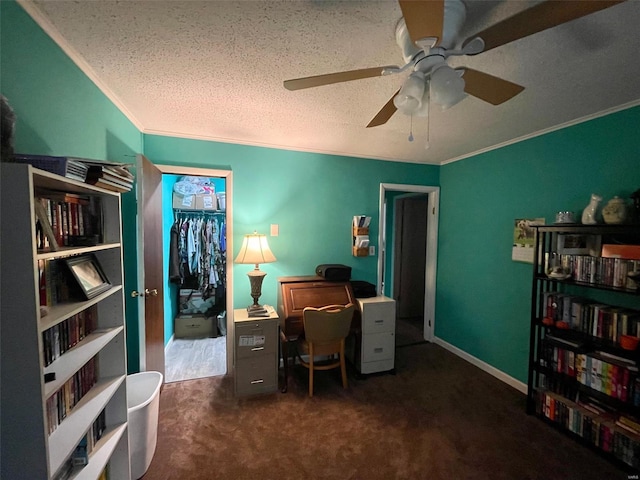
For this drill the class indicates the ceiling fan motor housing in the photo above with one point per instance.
(455, 14)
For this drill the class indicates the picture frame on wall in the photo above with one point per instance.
(89, 274)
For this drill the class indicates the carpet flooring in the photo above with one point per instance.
(409, 331)
(437, 418)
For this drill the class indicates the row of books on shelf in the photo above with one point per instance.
(80, 456)
(618, 435)
(592, 318)
(61, 403)
(614, 376)
(55, 283)
(606, 271)
(84, 449)
(104, 174)
(63, 336)
(67, 219)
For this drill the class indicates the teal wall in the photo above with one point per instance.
(482, 303)
(59, 111)
(483, 297)
(312, 197)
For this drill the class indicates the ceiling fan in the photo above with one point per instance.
(427, 33)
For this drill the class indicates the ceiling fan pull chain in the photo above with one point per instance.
(411, 129)
(426, 144)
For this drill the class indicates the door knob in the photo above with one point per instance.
(147, 293)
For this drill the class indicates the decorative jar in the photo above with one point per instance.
(615, 211)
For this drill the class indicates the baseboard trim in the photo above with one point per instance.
(500, 375)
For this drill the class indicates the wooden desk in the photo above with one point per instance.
(296, 293)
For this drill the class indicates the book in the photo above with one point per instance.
(110, 185)
(43, 218)
(69, 167)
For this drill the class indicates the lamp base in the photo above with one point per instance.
(257, 311)
(255, 278)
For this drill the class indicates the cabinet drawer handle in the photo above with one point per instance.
(255, 349)
(254, 382)
(378, 350)
(378, 321)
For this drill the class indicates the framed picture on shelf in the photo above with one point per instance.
(89, 275)
(579, 244)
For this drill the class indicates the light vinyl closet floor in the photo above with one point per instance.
(189, 358)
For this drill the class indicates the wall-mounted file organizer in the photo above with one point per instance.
(360, 236)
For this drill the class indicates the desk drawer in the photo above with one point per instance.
(257, 375)
(378, 346)
(255, 338)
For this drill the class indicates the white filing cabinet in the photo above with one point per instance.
(377, 348)
(256, 352)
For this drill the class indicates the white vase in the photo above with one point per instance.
(589, 213)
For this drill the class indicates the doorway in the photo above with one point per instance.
(151, 321)
(194, 234)
(408, 235)
(408, 244)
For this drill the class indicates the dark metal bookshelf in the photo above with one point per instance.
(544, 381)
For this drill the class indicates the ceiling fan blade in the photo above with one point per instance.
(423, 18)
(536, 19)
(385, 113)
(489, 88)
(329, 78)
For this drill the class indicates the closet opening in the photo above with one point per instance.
(195, 235)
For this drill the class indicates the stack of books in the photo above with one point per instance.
(110, 176)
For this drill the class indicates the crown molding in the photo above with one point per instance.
(560, 126)
(34, 12)
(210, 138)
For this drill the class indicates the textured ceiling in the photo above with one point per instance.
(214, 70)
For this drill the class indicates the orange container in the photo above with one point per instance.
(629, 342)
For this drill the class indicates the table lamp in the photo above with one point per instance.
(255, 250)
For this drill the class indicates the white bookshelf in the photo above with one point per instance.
(27, 448)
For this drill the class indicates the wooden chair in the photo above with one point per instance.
(325, 330)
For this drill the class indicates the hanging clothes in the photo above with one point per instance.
(174, 254)
(199, 259)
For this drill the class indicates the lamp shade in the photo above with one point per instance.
(255, 250)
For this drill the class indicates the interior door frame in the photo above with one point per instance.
(395, 251)
(203, 172)
(433, 194)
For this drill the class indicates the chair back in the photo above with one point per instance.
(327, 324)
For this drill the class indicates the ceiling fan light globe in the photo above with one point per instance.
(407, 105)
(423, 110)
(409, 99)
(453, 100)
(447, 87)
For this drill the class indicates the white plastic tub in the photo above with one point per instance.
(143, 402)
